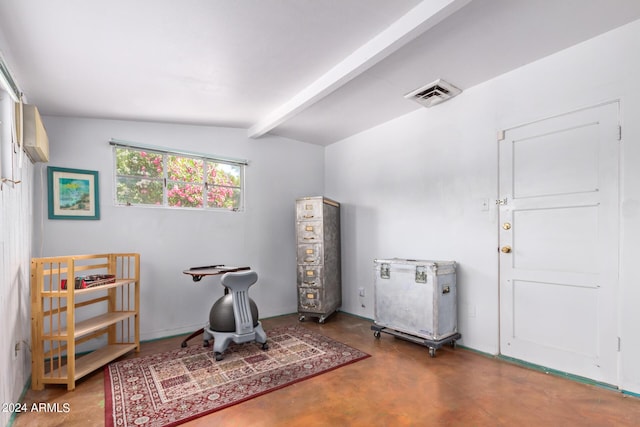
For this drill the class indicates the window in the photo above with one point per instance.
(9, 93)
(151, 177)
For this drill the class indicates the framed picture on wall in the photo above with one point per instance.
(73, 193)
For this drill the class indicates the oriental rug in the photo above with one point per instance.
(173, 387)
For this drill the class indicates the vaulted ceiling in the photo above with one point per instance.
(312, 70)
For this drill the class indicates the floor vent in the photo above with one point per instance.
(433, 93)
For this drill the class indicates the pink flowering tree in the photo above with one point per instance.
(141, 180)
(139, 177)
(223, 185)
(185, 182)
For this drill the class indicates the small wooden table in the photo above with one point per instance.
(197, 273)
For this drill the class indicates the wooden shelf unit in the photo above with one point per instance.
(57, 325)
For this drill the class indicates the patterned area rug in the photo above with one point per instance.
(171, 388)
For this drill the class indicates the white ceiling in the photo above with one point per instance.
(313, 70)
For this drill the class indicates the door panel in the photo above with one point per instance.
(530, 302)
(550, 156)
(560, 239)
(559, 220)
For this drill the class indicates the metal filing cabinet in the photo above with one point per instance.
(319, 283)
(416, 300)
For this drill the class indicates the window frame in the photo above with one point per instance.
(166, 182)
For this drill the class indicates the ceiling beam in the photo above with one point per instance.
(415, 22)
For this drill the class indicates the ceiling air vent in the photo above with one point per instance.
(433, 93)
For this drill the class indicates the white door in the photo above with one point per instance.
(559, 243)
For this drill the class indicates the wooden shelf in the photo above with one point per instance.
(96, 359)
(104, 287)
(62, 293)
(89, 362)
(93, 324)
(54, 308)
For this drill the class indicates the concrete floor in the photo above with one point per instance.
(400, 385)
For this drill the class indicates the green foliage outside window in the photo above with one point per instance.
(145, 177)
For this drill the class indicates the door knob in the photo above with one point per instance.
(506, 249)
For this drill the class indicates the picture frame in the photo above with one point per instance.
(73, 193)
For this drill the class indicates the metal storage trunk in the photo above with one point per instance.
(416, 297)
(318, 257)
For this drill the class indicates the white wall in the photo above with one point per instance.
(414, 187)
(169, 241)
(16, 207)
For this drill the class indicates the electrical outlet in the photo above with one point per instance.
(361, 292)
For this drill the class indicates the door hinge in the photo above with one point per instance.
(619, 133)
(619, 343)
